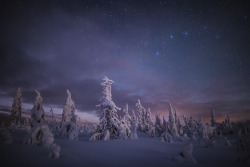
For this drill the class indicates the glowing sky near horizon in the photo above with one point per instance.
(194, 54)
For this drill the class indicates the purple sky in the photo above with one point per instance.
(194, 54)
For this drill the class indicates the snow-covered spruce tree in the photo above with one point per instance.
(175, 116)
(53, 118)
(192, 124)
(68, 114)
(165, 124)
(225, 127)
(37, 112)
(109, 120)
(133, 117)
(133, 127)
(16, 109)
(68, 123)
(141, 116)
(148, 122)
(53, 123)
(125, 124)
(213, 121)
(127, 117)
(203, 134)
(190, 127)
(158, 125)
(177, 122)
(172, 125)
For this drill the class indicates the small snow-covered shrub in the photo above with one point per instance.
(70, 131)
(167, 137)
(95, 137)
(54, 151)
(185, 154)
(184, 137)
(133, 134)
(123, 134)
(100, 136)
(227, 143)
(41, 136)
(206, 143)
(152, 131)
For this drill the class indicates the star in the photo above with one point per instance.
(185, 33)
(171, 36)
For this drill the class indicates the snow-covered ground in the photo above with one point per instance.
(144, 152)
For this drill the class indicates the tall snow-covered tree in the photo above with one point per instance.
(127, 117)
(108, 112)
(175, 116)
(68, 114)
(177, 122)
(158, 125)
(53, 118)
(203, 134)
(68, 123)
(133, 117)
(141, 116)
(53, 123)
(16, 109)
(213, 121)
(172, 124)
(125, 124)
(133, 127)
(165, 124)
(37, 112)
(148, 122)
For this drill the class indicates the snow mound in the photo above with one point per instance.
(37, 116)
(54, 151)
(186, 154)
(41, 136)
(166, 137)
(70, 131)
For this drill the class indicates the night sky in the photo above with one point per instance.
(194, 54)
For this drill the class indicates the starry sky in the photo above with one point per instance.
(194, 54)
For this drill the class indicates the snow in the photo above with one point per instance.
(185, 154)
(106, 135)
(16, 108)
(54, 151)
(145, 152)
(37, 112)
(41, 136)
(70, 131)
